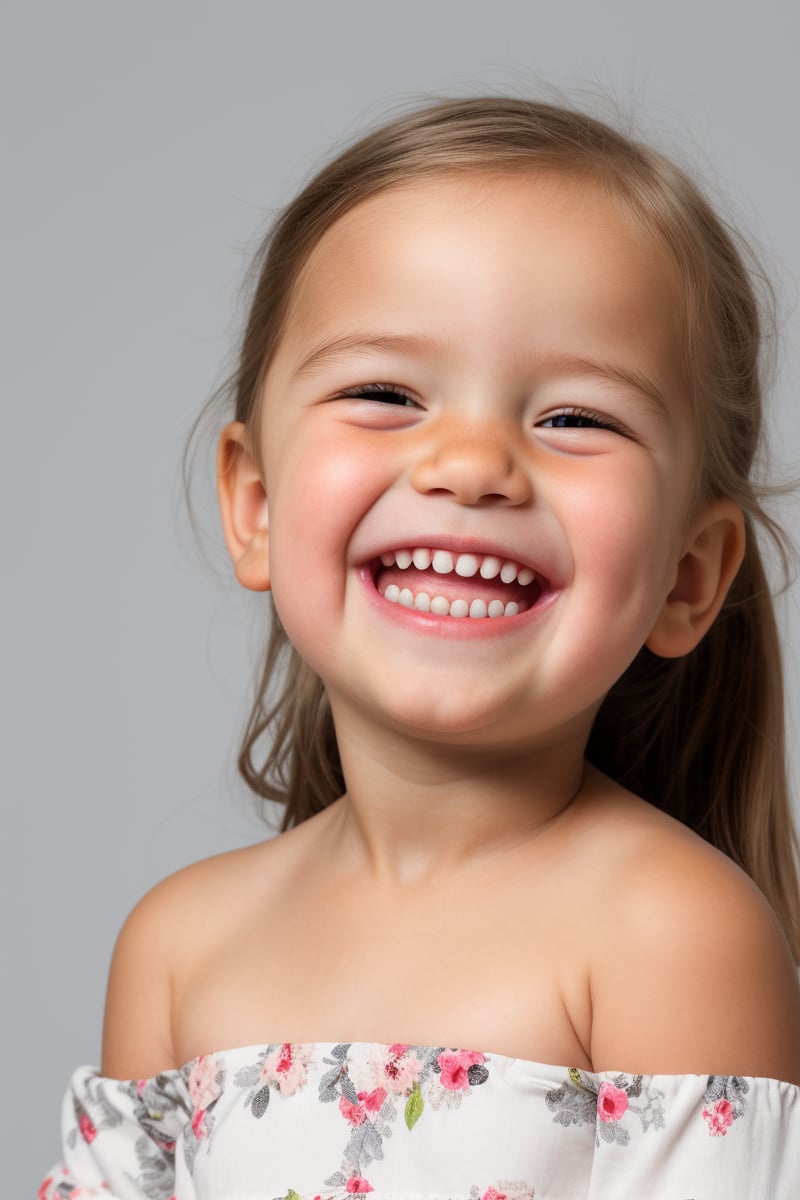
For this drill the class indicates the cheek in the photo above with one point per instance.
(624, 533)
(335, 471)
(622, 554)
(319, 490)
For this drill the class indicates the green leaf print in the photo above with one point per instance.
(414, 1107)
(576, 1079)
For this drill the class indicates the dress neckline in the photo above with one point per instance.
(253, 1049)
(509, 1064)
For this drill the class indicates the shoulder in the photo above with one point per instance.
(692, 973)
(159, 941)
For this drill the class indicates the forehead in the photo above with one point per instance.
(538, 260)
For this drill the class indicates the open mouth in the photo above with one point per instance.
(447, 584)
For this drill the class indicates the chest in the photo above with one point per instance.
(490, 967)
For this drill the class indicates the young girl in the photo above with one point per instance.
(528, 929)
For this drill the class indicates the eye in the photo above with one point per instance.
(581, 418)
(382, 393)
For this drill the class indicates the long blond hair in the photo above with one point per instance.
(701, 737)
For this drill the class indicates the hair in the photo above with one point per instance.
(700, 737)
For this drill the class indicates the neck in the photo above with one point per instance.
(418, 813)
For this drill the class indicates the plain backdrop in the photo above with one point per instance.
(145, 147)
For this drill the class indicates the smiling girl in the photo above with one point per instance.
(528, 929)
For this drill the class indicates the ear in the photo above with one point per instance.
(704, 574)
(243, 508)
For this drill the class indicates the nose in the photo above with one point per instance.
(475, 466)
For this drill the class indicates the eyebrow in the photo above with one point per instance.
(336, 347)
(365, 343)
(628, 377)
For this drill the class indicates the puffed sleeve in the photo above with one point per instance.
(692, 1137)
(119, 1137)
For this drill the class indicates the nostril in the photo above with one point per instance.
(468, 495)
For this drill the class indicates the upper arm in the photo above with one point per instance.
(701, 980)
(137, 1037)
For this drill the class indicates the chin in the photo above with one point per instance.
(449, 723)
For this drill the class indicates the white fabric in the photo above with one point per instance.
(326, 1119)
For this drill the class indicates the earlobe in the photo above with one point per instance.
(243, 508)
(703, 577)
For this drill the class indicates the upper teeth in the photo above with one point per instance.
(465, 565)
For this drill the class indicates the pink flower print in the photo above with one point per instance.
(203, 1086)
(50, 1190)
(286, 1067)
(204, 1089)
(199, 1127)
(284, 1059)
(719, 1118)
(356, 1114)
(455, 1067)
(398, 1071)
(357, 1183)
(373, 1101)
(141, 1084)
(87, 1128)
(493, 1194)
(612, 1102)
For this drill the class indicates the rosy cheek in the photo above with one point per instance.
(616, 525)
(319, 488)
(336, 461)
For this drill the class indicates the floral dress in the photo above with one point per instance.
(333, 1121)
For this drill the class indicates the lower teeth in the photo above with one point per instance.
(442, 607)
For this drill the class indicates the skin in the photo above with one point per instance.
(462, 741)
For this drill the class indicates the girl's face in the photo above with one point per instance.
(475, 373)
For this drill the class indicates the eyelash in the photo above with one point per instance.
(384, 390)
(585, 414)
(387, 390)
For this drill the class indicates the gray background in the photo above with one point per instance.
(144, 148)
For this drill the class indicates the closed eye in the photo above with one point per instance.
(383, 393)
(581, 418)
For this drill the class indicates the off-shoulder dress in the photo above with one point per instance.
(308, 1120)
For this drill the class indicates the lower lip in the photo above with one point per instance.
(454, 627)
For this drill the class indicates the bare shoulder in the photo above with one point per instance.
(692, 973)
(159, 942)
